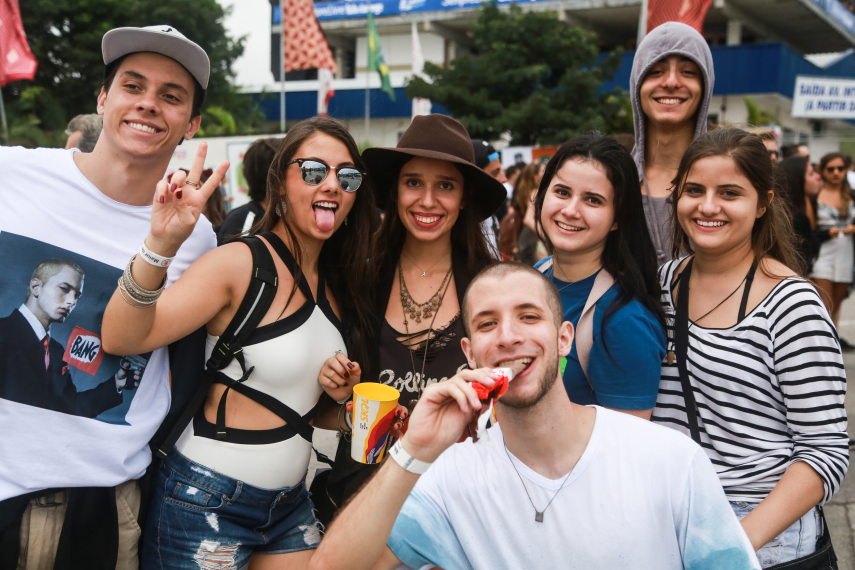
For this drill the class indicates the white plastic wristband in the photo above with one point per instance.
(154, 259)
(407, 461)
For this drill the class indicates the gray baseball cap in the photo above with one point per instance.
(164, 40)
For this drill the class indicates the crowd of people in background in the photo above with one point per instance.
(668, 302)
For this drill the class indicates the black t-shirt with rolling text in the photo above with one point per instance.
(444, 358)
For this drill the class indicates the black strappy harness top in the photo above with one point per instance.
(275, 365)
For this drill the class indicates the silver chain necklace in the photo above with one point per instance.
(538, 515)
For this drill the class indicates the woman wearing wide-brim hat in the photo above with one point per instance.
(429, 247)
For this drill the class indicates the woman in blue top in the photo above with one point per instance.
(590, 216)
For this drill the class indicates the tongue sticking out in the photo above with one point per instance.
(325, 218)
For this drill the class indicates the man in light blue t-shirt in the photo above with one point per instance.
(553, 485)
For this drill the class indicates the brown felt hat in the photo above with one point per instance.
(443, 138)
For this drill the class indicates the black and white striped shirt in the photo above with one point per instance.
(769, 390)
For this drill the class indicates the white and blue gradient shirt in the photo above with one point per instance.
(640, 497)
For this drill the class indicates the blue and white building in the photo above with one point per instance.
(758, 46)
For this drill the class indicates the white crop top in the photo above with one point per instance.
(287, 356)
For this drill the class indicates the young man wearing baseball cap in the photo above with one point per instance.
(69, 496)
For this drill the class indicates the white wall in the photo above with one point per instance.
(250, 18)
(381, 132)
(398, 52)
(827, 140)
(219, 149)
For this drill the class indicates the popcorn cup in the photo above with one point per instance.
(373, 412)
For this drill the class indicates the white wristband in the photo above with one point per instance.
(149, 256)
(407, 461)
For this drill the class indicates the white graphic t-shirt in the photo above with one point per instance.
(639, 498)
(71, 415)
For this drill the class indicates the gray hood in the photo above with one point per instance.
(671, 38)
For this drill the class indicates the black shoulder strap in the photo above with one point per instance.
(748, 280)
(681, 344)
(257, 300)
(291, 263)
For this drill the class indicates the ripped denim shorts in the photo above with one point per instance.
(199, 518)
(797, 541)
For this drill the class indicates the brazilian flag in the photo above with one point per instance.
(375, 58)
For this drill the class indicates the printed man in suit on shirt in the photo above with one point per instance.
(32, 368)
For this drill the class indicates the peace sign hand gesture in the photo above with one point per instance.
(177, 205)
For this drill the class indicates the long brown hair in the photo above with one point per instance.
(845, 190)
(791, 173)
(345, 256)
(526, 185)
(772, 235)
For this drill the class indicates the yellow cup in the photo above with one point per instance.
(373, 411)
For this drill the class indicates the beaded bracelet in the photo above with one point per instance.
(124, 293)
(139, 297)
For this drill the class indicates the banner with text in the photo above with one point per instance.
(824, 98)
(343, 9)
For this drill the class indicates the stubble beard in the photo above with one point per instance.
(547, 381)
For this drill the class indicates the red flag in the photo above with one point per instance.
(16, 59)
(691, 12)
(305, 44)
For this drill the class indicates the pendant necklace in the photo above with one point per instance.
(424, 271)
(538, 515)
(415, 310)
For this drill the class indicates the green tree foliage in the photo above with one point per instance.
(218, 122)
(65, 36)
(756, 116)
(530, 75)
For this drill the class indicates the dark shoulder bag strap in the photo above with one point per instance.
(749, 279)
(681, 345)
(258, 298)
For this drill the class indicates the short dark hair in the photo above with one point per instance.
(198, 92)
(256, 164)
(504, 268)
(789, 150)
(513, 169)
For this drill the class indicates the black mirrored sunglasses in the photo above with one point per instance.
(314, 172)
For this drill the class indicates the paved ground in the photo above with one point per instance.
(840, 512)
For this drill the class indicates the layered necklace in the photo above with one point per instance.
(417, 312)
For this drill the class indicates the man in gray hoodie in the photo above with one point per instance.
(671, 85)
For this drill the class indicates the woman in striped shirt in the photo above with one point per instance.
(756, 346)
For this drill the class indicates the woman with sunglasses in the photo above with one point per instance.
(429, 247)
(832, 271)
(754, 372)
(232, 489)
(588, 211)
